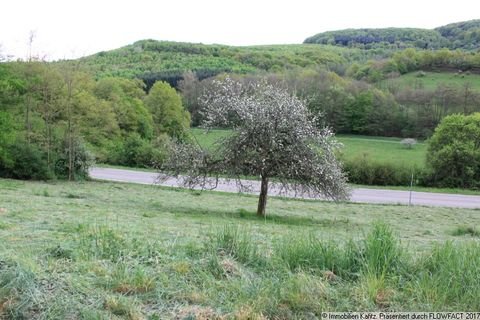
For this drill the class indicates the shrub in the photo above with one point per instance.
(82, 160)
(454, 152)
(364, 170)
(421, 74)
(138, 152)
(27, 162)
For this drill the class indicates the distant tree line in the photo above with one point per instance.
(461, 35)
(356, 107)
(388, 38)
(410, 60)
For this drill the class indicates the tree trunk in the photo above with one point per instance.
(70, 150)
(27, 119)
(262, 200)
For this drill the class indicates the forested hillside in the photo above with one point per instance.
(391, 38)
(153, 60)
(464, 35)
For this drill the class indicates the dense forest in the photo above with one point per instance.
(153, 60)
(461, 35)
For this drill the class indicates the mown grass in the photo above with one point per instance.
(98, 250)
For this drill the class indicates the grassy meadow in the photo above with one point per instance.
(100, 250)
(379, 149)
(431, 80)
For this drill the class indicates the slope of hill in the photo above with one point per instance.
(385, 38)
(464, 35)
(150, 59)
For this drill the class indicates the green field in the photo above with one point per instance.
(379, 149)
(97, 250)
(432, 80)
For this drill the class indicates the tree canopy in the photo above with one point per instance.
(167, 111)
(454, 152)
(274, 136)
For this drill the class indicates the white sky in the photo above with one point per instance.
(72, 28)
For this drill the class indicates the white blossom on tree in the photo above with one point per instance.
(274, 138)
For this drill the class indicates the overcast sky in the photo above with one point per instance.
(72, 28)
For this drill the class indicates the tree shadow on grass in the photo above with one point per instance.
(246, 215)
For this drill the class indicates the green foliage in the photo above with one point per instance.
(137, 152)
(167, 111)
(391, 38)
(25, 162)
(7, 137)
(11, 86)
(454, 152)
(365, 170)
(153, 60)
(125, 97)
(465, 34)
(82, 160)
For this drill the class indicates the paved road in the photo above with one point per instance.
(358, 195)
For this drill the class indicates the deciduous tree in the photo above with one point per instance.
(168, 114)
(454, 152)
(274, 138)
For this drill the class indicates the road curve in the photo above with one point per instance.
(358, 195)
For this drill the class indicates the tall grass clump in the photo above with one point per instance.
(466, 230)
(450, 276)
(309, 252)
(236, 242)
(383, 253)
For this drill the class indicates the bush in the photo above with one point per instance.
(82, 161)
(364, 170)
(421, 74)
(454, 152)
(26, 162)
(138, 152)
